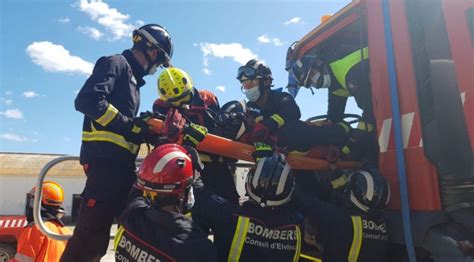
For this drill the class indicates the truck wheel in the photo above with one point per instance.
(7, 252)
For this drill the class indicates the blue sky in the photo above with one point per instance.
(48, 48)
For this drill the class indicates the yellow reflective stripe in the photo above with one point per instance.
(298, 244)
(346, 150)
(239, 239)
(280, 121)
(308, 257)
(356, 240)
(345, 126)
(341, 92)
(365, 126)
(258, 119)
(338, 182)
(108, 116)
(106, 136)
(341, 67)
(118, 235)
(136, 129)
(192, 139)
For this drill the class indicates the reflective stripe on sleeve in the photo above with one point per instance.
(277, 118)
(108, 116)
(298, 244)
(239, 239)
(23, 258)
(365, 126)
(310, 258)
(118, 236)
(356, 240)
(106, 136)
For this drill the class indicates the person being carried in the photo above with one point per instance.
(33, 245)
(153, 221)
(181, 102)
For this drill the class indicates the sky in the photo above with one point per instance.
(48, 49)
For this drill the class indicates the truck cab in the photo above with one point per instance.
(421, 56)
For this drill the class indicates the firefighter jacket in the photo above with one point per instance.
(279, 110)
(109, 100)
(151, 234)
(34, 246)
(248, 232)
(350, 77)
(347, 235)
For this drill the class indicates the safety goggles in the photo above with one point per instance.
(247, 71)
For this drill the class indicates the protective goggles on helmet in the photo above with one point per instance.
(247, 71)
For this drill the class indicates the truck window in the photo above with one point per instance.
(470, 22)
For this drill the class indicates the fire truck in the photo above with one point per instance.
(421, 56)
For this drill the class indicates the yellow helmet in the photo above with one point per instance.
(174, 85)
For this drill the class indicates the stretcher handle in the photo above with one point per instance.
(236, 150)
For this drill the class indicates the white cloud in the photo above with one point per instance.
(294, 20)
(30, 94)
(8, 93)
(140, 22)
(235, 51)
(8, 102)
(108, 17)
(206, 71)
(221, 88)
(12, 113)
(92, 32)
(13, 137)
(55, 58)
(265, 40)
(64, 20)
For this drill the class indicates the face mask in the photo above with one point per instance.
(316, 82)
(252, 94)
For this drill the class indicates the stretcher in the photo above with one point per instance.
(236, 150)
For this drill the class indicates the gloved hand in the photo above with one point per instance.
(198, 166)
(262, 150)
(355, 144)
(259, 134)
(140, 125)
(194, 134)
(174, 125)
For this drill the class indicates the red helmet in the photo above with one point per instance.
(167, 170)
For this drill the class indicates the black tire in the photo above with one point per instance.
(7, 252)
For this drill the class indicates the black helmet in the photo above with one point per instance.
(154, 36)
(231, 119)
(254, 69)
(367, 191)
(270, 182)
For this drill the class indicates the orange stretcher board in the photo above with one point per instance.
(232, 149)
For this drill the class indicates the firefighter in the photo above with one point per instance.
(33, 245)
(265, 228)
(178, 96)
(355, 231)
(343, 78)
(153, 226)
(112, 135)
(280, 113)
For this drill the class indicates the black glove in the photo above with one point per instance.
(355, 144)
(262, 150)
(194, 134)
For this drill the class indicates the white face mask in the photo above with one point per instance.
(252, 94)
(326, 82)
